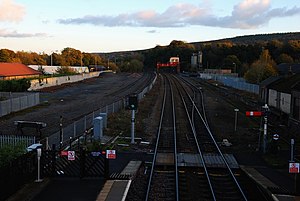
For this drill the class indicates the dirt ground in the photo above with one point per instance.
(73, 101)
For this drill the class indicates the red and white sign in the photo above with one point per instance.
(253, 113)
(64, 153)
(293, 167)
(111, 154)
(71, 155)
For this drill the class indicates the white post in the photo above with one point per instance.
(266, 110)
(265, 134)
(39, 154)
(132, 125)
(235, 119)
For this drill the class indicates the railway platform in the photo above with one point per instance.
(267, 184)
(117, 189)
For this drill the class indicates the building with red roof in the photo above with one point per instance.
(9, 71)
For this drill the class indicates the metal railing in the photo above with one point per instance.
(79, 127)
(13, 140)
(234, 82)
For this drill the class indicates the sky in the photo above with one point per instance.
(121, 25)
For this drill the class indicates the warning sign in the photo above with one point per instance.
(64, 153)
(275, 137)
(111, 154)
(71, 155)
(293, 167)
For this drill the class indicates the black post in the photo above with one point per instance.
(106, 168)
(82, 162)
(297, 184)
(53, 159)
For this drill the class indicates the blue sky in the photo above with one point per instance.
(118, 25)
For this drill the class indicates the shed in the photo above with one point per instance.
(9, 71)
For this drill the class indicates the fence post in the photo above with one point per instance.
(82, 162)
(74, 129)
(85, 123)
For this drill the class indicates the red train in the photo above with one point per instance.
(172, 66)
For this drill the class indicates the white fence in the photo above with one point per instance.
(17, 101)
(13, 140)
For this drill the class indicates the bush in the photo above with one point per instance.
(9, 153)
(20, 85)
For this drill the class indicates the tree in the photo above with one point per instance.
(261, 69)
(232, 62)
(284, 58)
(64, 70)
(7, 55)
(71, 56)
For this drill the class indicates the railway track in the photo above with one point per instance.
(187, 163)
(163, 180)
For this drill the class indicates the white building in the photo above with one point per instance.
(53, 69)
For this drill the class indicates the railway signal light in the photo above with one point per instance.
(132, 102)
(253, 113)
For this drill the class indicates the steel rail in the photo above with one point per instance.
(218, 149)
(175, 143)
(157, 143)
(197, 143)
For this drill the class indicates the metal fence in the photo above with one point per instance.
(79, 127)
(14, 140)
(17, 173)
(234, 82)
(17, 101)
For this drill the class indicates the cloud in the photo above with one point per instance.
(248, 14)
(10, 11)
(152, 31)
(14, 34)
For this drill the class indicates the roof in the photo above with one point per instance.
(286, 83)
(269, 81)
(296, 87)
(285, 68)
(16, 69)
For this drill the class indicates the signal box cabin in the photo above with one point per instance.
(171, 67)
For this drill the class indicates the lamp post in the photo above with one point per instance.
(51, 60)
(234, 67)
(236, 110)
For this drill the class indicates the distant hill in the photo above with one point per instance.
(238, 40)
(258, 38)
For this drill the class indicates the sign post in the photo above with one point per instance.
(292, 150)
(133, 104)
(111, 154)
(266, 109)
